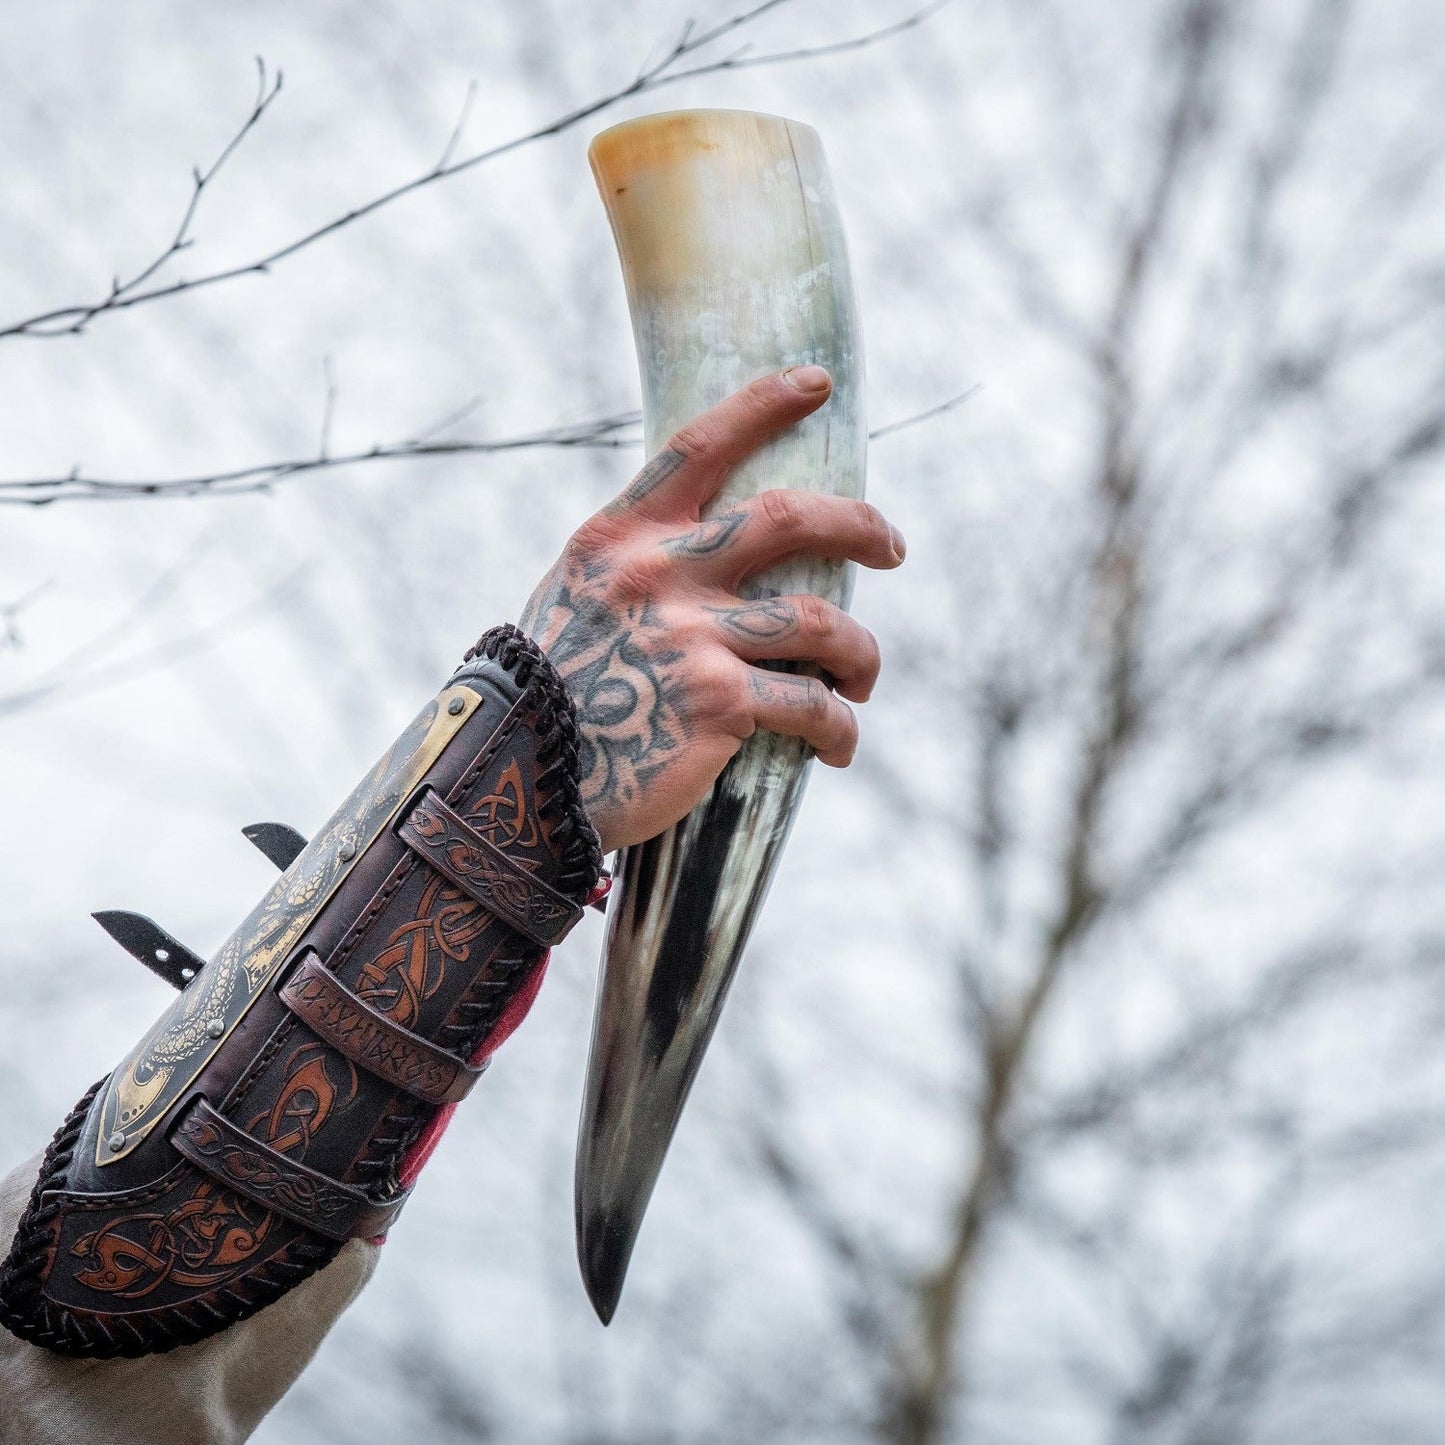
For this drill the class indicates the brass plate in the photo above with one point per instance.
(167, 1060)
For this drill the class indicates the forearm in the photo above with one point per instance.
(212, 1393)
(224, 1187)
(207, 1211)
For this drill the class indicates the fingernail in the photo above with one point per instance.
(900, 547)
(807, 378)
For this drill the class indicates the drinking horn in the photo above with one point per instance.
(735, 264)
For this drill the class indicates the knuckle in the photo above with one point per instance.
(575, 553)
(817, 618)
(768, 395)
(782, 510)
(635, 577)
(818, 703)
(612, 562)
(697, 440)
(583, 546)
(714, 690)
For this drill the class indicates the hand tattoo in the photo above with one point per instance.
(671, 671)
(647, 481)
(768, 620)
(709, 538)
(623, 677)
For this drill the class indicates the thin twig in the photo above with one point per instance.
(124, 294)
(605, 433)
(453, 418)
(742, 60)
(461, 125)
(73, 320)
(904, 422)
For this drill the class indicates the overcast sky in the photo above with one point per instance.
(182, 667)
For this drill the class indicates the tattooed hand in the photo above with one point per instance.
(642, 618)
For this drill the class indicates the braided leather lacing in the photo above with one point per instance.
(25, 1311)
(557, 786)
(23, 1308)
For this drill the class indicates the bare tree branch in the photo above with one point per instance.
(72, 320)
(929, 1363)
(605, 433)
(124, 294)
(921, 416)
(262, 476)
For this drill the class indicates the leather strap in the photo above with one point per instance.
(249, 1134)
(372, 1041)
(234, 1158)
(443, 839)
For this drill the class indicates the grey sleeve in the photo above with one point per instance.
(212, 1393)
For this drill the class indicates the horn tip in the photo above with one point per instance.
(604, 1250)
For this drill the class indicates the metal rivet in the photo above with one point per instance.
(188, 974)
(215, 1027)
(163, 955)
(347, 851)
(456, 705)
(115, 1143)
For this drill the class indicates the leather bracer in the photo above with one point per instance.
(275, 1110)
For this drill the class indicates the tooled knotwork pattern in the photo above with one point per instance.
(311, 1195)
(213, 1233)
(412, 962)
(199, 1244)
(495, 877)
(306, 1100)
(505, 818)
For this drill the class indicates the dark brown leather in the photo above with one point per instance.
(181, 1196)
(230, 1156)
(370, 1039)
(501, 885)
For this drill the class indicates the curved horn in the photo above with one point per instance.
(735, 263)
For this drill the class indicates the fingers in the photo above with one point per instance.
(803, 629)
(675, 484)
(778, 524)
(802, 707)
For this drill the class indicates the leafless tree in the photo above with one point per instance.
(1215, 617)
(698, 52)
(1087, 1090)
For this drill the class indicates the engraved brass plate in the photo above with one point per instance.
(165, 1063)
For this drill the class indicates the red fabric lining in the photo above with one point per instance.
(416, 1157)
(505, 1027)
